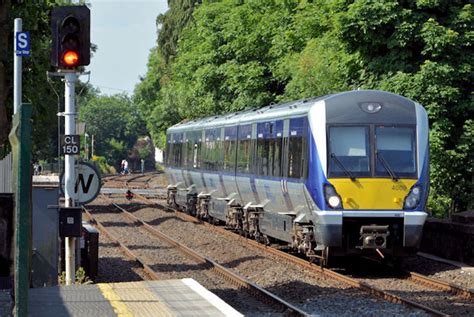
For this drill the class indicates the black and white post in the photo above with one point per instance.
(70, 79)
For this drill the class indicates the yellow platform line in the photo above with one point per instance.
(115, 301)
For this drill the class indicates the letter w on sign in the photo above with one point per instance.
(85, 185)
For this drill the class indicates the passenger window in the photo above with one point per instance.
(197, 149)
(243, 153)
(269, 146)
(188, 149)
(263, 149)
(177, 149)
(278, 147)
(168, 149)
(212, 150)
(209, 147)
(230, 148)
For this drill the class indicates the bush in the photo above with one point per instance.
(104, 167)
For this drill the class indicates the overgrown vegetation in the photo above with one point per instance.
(113, 121)
(81, 277)
(116, 126)
(216, 56)
(230, 55)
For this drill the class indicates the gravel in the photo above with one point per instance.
(309, 291)
(441, 271)
(163, 259)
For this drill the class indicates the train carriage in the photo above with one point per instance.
(343, 174)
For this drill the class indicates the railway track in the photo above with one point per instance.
(421, 279)
(263, 295)
(130, 181)
(457, 300)
(462, 300)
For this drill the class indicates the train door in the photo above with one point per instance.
(296, 163)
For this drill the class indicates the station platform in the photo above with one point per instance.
(184, 297)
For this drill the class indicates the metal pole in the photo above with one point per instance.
(86, 147)
(17, 66)
(69, 174)
(20, 139)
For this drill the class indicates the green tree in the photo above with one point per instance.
(423, 50)
(234, 55)
(36, 88)
(171, 25)
(115, 124)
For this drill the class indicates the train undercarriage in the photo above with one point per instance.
(363, 236)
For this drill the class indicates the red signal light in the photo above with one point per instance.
(129, 195)
(70, 58)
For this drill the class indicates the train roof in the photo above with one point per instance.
(280, 111)
(273, 111)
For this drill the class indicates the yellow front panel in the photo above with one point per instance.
(372, 193)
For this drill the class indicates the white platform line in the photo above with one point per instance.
(211, 298)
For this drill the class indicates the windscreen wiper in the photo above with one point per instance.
(343, 168)
(387, 166)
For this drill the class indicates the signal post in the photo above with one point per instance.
(70, 177)
(70, 28)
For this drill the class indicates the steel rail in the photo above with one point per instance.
(134, 178)
(431, 282)
(239, 281)
(302, 262)
(444, 286)
(147, 269)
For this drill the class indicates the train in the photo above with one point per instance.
(345, 174)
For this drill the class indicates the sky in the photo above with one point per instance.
(124, 32)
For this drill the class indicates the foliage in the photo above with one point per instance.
(104, 167)
(234, 55)
(142, 150)
(37, 90)
(172, 23)
(115, 124)
(81, 277)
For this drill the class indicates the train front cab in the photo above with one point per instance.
(373, 193)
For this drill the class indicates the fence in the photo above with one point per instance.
(6, 169)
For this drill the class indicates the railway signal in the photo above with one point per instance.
(129, 195)
(70, 29)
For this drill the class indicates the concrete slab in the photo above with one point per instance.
(184, 297)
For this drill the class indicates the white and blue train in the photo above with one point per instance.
(341, 174)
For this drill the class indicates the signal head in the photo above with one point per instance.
(70, 26)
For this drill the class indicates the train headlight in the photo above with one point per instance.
(413, 198)
(332, 197)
